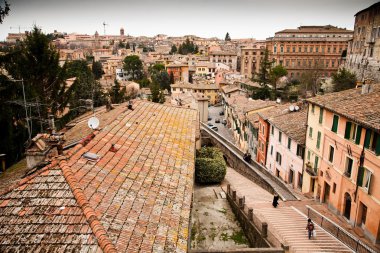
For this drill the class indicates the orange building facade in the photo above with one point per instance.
(348, 177)
(309, 48)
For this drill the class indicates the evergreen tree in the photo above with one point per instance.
(160, 76)
(127, 46)
(263, 77)
(97, 69)
(343, 80)
(155, 90)
(227, 38)
(173, 50)
(116, 93)
(171, 78)
(134, 67)
(275, 74)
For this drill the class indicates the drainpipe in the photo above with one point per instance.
(361, 164)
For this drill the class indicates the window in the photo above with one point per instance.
(364, 179)
(319, 140)
(320, 116)
(271, 149)
(275, 49)
(279, 136)
(372, 141)
(272, 131)
(350, 132)
(312, 108)
(348, 169)
(334, 188)
(308, 155)
(300, 151)
(287, 49)
(278, 158)
(310, 132)
(316, 163)
(289, 143)
(331, 154)
(334, 127)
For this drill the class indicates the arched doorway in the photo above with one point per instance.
(347, 205)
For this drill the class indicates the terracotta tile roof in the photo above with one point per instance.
(135, 198)
(43, 214)
(363, 109)
(292, 124)
(230, 88)
(276, 111)
(241, 105)
(79, 129)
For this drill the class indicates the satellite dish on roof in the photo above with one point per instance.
(291, 108)
(93, 122)
(296, 108)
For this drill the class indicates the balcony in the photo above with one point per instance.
(311, 171)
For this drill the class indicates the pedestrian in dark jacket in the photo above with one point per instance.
(310, 228)
(275, 200)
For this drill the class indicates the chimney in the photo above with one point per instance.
(51, 123)
(367, 88)
(37, 151)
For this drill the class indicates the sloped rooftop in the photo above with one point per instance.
(134, 198)
(361, 108)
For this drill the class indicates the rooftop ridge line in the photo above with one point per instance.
(97, 228)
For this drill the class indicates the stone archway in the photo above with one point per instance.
(347, 205)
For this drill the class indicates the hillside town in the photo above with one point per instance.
(120, 143)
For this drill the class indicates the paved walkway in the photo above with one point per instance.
(286, 222)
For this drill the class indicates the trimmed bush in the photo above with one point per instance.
(210, 166)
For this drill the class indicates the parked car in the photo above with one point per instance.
(209, 118)
(221, 113)
(209, 124)
(214, 128)
(224, 122)
(217, 120)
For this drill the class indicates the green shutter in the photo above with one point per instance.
(367, 139)
(360, 176)
(319, 140)
(320, 115)
(377, 148)
(348, 130)
(334, 127)
(358, 134)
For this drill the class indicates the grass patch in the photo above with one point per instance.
(193, 232)
(239, 237)
(224, 237)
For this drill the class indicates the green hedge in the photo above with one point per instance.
(210, 166)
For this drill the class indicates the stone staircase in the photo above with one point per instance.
(290, 225)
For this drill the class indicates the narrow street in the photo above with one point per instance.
(223, 130)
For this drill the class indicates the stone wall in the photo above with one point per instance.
(234, 156)
(255, 228)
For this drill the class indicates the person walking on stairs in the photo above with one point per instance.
(310, 228)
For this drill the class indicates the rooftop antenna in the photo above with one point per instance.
(93, 123)
(19, 28)
(104, 26)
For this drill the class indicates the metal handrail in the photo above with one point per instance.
(340, 233)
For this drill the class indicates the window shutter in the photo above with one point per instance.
(335, 124)
(320, 115)
(360, 176)
(319, 140)
(358, 135)
(377, 149)
(367, 139)
(348, 130)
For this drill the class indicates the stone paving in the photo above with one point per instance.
(286, 222)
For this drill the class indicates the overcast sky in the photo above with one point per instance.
(206, 18)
